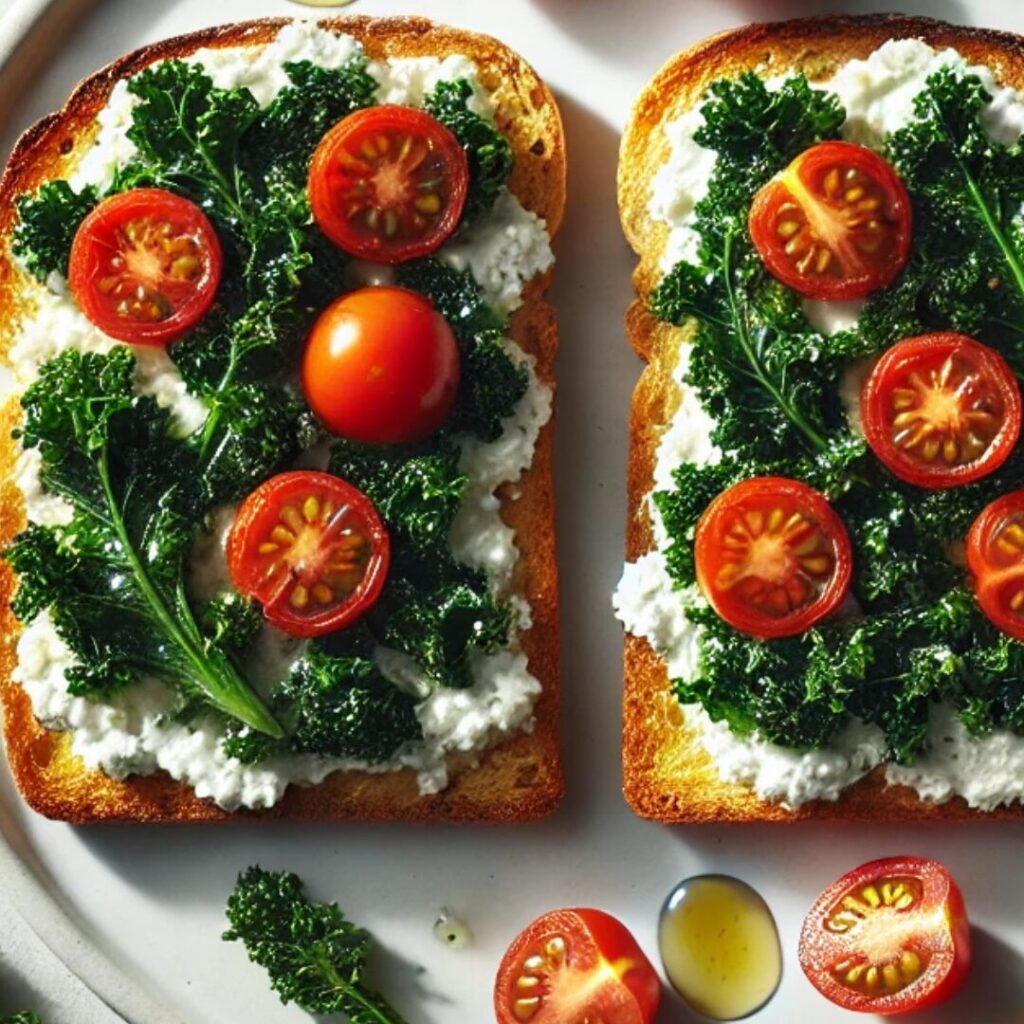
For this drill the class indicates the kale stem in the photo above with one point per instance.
(739, 322)
(354, 993)
(220, 683)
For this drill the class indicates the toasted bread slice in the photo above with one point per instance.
(668, 774)
(518, 780)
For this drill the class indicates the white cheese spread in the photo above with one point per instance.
(133, 733)
(878, 94)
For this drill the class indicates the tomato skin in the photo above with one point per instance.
(596, 944)
(261, 513)
(381, 365)
(102, 233)
(352, 190)
(976, 372)
(942, 940)
(761, 496)
(997, 572)
(842, 229)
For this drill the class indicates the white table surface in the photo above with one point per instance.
(152, 898)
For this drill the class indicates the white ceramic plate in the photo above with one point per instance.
(151, 899)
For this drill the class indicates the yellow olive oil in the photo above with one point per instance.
(720, 946)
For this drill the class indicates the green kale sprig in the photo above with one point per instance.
(752, 348)
(966, 272)
(335, 703)
(47, 222)
(432, 608)
(25, 1017)
(314, 956)
(488, 151)
(115, 577)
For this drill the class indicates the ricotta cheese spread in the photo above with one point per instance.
(134, 733)
(878, 94)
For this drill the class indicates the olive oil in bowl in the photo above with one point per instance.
(720, 947)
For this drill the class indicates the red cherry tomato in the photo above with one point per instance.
(388, 183)
(995, 557)
(941, 410)
(145, 266)
(576, 965)
(835, 224)
(773, 558)
(311, 549)
(889, 937)
(381, 365)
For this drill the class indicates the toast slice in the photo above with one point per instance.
(521, 778)
(668, 775)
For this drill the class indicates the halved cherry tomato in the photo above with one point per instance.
(145, 266)
(888, 937)
(835, 224)
(995, 557)
(388, 183)
(381, 365)
(941, 410)
(773, 558)
(576, 965)
(311, 549)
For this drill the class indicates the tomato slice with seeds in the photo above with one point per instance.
(941, 410)
(145, 266)
(388, 183)
(772, 556)
(835, 224)
(311, 549)
(888, 937)
(995, 558)
(576, 965)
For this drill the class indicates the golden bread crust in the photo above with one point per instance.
(668, 775)
(518, 780)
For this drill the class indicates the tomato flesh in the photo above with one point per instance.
(995, 557)
(835, 224)
(381, 366)
(576, 965)
(941, 410)
(145, 266)
(311, 549)
(388, 183)
(772, 556)
(889, 937)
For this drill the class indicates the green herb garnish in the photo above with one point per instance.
(314, 956)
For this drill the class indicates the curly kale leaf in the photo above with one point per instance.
(455, 295)
(25, 1017)
(47, 222)
(488, 151)
(339, 705)
(334, 703)
(492, 382)
(441, 626)
(260, 429)
(416, 491)
(314, 956)
(433, 609)
(756, 130)
(290, 129)
(753, 349)
(118, 598)
(966, 272)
